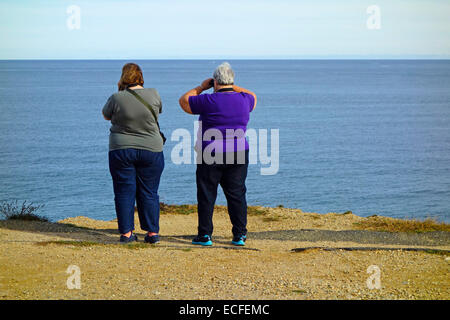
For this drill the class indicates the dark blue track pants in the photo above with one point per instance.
(231, 177)
(136, 174)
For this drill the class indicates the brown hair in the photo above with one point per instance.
(131, 74)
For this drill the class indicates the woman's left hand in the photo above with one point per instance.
(207, 84)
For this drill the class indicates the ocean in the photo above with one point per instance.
(367, 136)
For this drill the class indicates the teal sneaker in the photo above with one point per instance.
(202, 240)
(239, 240)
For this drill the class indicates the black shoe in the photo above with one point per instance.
(202, 240)
(129, 239)
(239, 240)
(151, 239)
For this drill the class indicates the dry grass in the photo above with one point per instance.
(177, 209)
(256, 211)
(70, 243)
(377, 223)
(192, 208)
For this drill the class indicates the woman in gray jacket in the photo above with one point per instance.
(136, 159)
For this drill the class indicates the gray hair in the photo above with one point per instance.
(223, 74)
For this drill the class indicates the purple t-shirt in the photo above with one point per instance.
(226, 114)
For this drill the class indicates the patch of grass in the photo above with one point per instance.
(377, 223)
(137, 245)
(347, 212)
(256, 211)
(438, 252)
(70, 243)
(184, 209)
(299, 291)
(75, 226)
(271, 219)
(12, 210)
(28, 217)
(306, 250)
(81, 244)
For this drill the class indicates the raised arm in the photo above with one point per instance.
(184, 100)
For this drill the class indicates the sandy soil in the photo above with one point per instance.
(34, 258)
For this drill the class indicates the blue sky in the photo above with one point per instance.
(119, 29)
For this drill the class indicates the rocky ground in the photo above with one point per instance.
(35, 257)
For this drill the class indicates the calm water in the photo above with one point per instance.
(372, 137)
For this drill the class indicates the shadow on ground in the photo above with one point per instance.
(107, 236)
(102, 236)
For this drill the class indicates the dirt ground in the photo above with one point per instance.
(35, 258)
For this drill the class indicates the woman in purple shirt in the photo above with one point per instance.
(223, 152)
